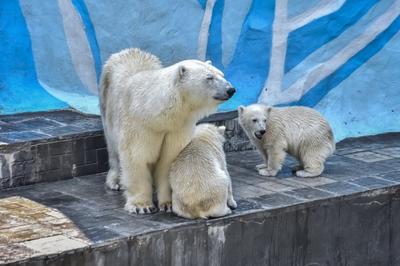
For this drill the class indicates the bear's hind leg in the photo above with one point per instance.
(312, 168)
(231, 201)
(113, 174)
(313, 161)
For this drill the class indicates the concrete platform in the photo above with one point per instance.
(57, 145)
(348, 216)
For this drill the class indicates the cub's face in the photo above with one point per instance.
(254, 119)
(203, 83)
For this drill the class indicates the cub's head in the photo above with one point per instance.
(210, 133)
(253, 119)
(203, 84)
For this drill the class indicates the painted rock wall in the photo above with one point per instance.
(341, 57)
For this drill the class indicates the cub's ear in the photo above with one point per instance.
(181, 72)
(241, 109)
(208, 62)
(268, 109)
(221, 130)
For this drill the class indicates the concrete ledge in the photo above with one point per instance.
(49, 146)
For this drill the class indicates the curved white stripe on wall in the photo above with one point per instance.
(274, 94)
(204, 30)
(78, 45)
(83, 102)
(281, 28)
(233, 17)
(367, 102)
(52, 59)
(330, 49)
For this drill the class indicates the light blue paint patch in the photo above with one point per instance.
(297, 7)
(367, 102)
(169, 30)
(312, 97)
(90, 33)
(309, 38)
(250, 64)
(19, 88)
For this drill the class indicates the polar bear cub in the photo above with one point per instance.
(300, 131)
(201, 186)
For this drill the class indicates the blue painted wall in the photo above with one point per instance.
(340, 57)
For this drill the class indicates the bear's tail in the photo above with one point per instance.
(125, 63)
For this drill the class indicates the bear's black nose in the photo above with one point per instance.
(231, 91)
(262, 132)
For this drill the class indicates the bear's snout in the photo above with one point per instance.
(259, 134)
(230, 91)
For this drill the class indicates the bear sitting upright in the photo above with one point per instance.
(201, 186)
(149, 114)
(300, 131)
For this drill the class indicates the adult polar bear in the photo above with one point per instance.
(149, 115)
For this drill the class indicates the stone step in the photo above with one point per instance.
(348, 216)
(57, 145)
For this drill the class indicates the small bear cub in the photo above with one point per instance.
(299, 131)
(200, 182)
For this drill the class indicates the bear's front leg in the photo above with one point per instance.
(172, 146)
(137, 151)
(263, 154)
(276, 156)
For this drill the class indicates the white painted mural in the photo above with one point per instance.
(338, 56)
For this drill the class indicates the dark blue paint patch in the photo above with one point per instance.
(90, 33)
(250, 63)
(20, 90)
(305, 40)
(203, 3)
(214, 47)
(312, 97)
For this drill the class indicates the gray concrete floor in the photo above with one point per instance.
(81, 212)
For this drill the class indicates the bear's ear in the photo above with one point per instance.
(208, 62)
(241, 109)
(221, 130)
(268, 109)
(182, 72)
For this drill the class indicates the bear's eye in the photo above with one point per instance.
(265, 120)
(254, 120)
(210, 77)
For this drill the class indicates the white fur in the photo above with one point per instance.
(149, 114)
(201, 186)
(300, 131)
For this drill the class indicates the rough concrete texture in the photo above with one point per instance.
(348, 216)
(29, 229)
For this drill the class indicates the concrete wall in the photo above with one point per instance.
(338, 56)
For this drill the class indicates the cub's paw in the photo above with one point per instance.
(303, 173)
(165, 206)
(266, 172)
(114, 185)
(140, 208)
(232, 204)
(261, 166)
